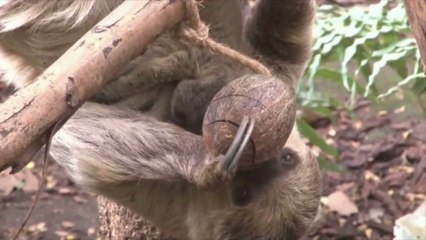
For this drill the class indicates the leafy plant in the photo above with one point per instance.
(352, 48)
(366, 39)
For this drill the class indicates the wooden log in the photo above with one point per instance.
(27, 116)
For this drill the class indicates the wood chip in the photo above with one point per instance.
(340, 203)
(67, 224)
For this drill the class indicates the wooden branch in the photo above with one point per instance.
(416, 10)
(27, 116)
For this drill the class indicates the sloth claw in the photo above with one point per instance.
(222, 168)
(229, 163)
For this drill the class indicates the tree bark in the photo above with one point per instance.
(29, 115)
(416, 10)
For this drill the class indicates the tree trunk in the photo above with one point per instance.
(117, 223)
(416, 10)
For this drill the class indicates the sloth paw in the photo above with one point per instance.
(223, 167)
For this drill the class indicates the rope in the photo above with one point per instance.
(198, 33)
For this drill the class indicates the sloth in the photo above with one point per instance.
(166, 175)
(138, 144)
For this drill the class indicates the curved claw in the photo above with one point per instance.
(233, 154)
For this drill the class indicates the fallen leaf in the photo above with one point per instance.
(382, 113)
(357, 124)
(411, 226)
(30, 165)
(38, 228)
(7, 183)
(342, 222)
(61, 233)
(406, 134)
(50, 182)
(30, 180)
(70, 237)
(79, 199)
(340, 203)
(67, 224)
(369, 175)
(324, 200)
(91, 231)
(415, 196)
(368, 232)
(25, 180)
(399, 110)
(376, 213)
(65, 191)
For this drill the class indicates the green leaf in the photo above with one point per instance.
(321, 40)
(312, 71)
(419, 86)
(408, 42)
(323, 111)
(377, 10)
(377, 67)
(314, 138)
(336, 77)
(368, 39)
(366, 69)
(418, 76)
(350, 52)
(329, 46)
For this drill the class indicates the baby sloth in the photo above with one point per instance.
(166, 175)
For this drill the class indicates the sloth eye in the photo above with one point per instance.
(288, 157)
(241, 195)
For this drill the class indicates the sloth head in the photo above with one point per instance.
(276, 201)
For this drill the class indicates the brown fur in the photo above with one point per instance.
(277, 32)
(157, 169)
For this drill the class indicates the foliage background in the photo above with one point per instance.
(363, 51)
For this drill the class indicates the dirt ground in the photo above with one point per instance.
(384, 153)
(385, 178)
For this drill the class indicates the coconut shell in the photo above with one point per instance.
(267, 100)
